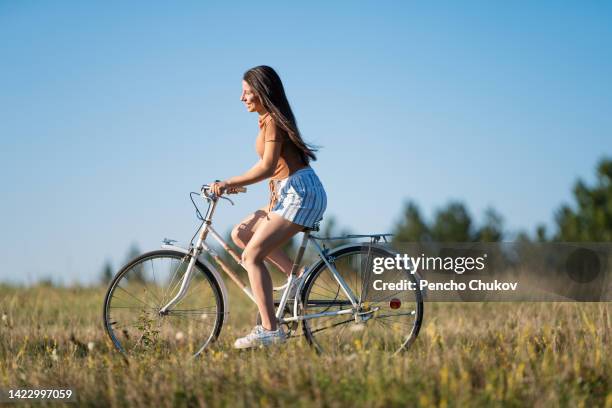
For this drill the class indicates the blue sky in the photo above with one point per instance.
(110, 113)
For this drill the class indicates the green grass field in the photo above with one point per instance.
(467, 354)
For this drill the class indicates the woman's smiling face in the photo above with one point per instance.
(252, 102)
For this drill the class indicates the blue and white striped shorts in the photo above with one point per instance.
(301, 198)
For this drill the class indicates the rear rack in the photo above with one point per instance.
(374, 238)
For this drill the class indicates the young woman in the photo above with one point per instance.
(297, 198)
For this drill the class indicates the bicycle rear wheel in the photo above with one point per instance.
(386, 320)
(146, 284)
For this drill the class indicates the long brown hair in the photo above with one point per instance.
(268, 87)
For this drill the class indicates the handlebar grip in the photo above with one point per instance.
(206, 188)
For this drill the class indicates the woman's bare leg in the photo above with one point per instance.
(273, 232)
(243, 232)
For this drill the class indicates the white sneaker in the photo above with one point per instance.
(261, 337)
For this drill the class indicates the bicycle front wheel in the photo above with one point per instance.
(382, 319)
(136, 295)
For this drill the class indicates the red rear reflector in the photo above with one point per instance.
(395, 303)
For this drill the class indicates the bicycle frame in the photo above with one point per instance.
(195, 251)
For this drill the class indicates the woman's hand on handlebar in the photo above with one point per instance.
(219, 188)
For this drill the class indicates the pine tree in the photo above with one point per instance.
(107, 272)
(411, 227)
(591, 220)
(492, 230)
(452, 224)
(137, 274)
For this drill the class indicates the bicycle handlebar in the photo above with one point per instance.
(234, 190)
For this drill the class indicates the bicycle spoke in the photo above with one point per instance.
(342, 329)
(199, 288)
(155, 282)
(171, 285)
(334, 294)
(132, 324)
(152, 296)
(366, 270)
(116, 297)
(129, 307)
(328, 288)
(380, 300)
(141, 301)
(193, 314)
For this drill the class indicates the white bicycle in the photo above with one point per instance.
(174, 299)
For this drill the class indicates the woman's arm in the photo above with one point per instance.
(263, 169)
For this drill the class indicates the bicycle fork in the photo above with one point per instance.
(184, 285)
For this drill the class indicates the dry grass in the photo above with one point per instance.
(477, 354)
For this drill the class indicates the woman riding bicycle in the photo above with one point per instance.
(297, 197)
